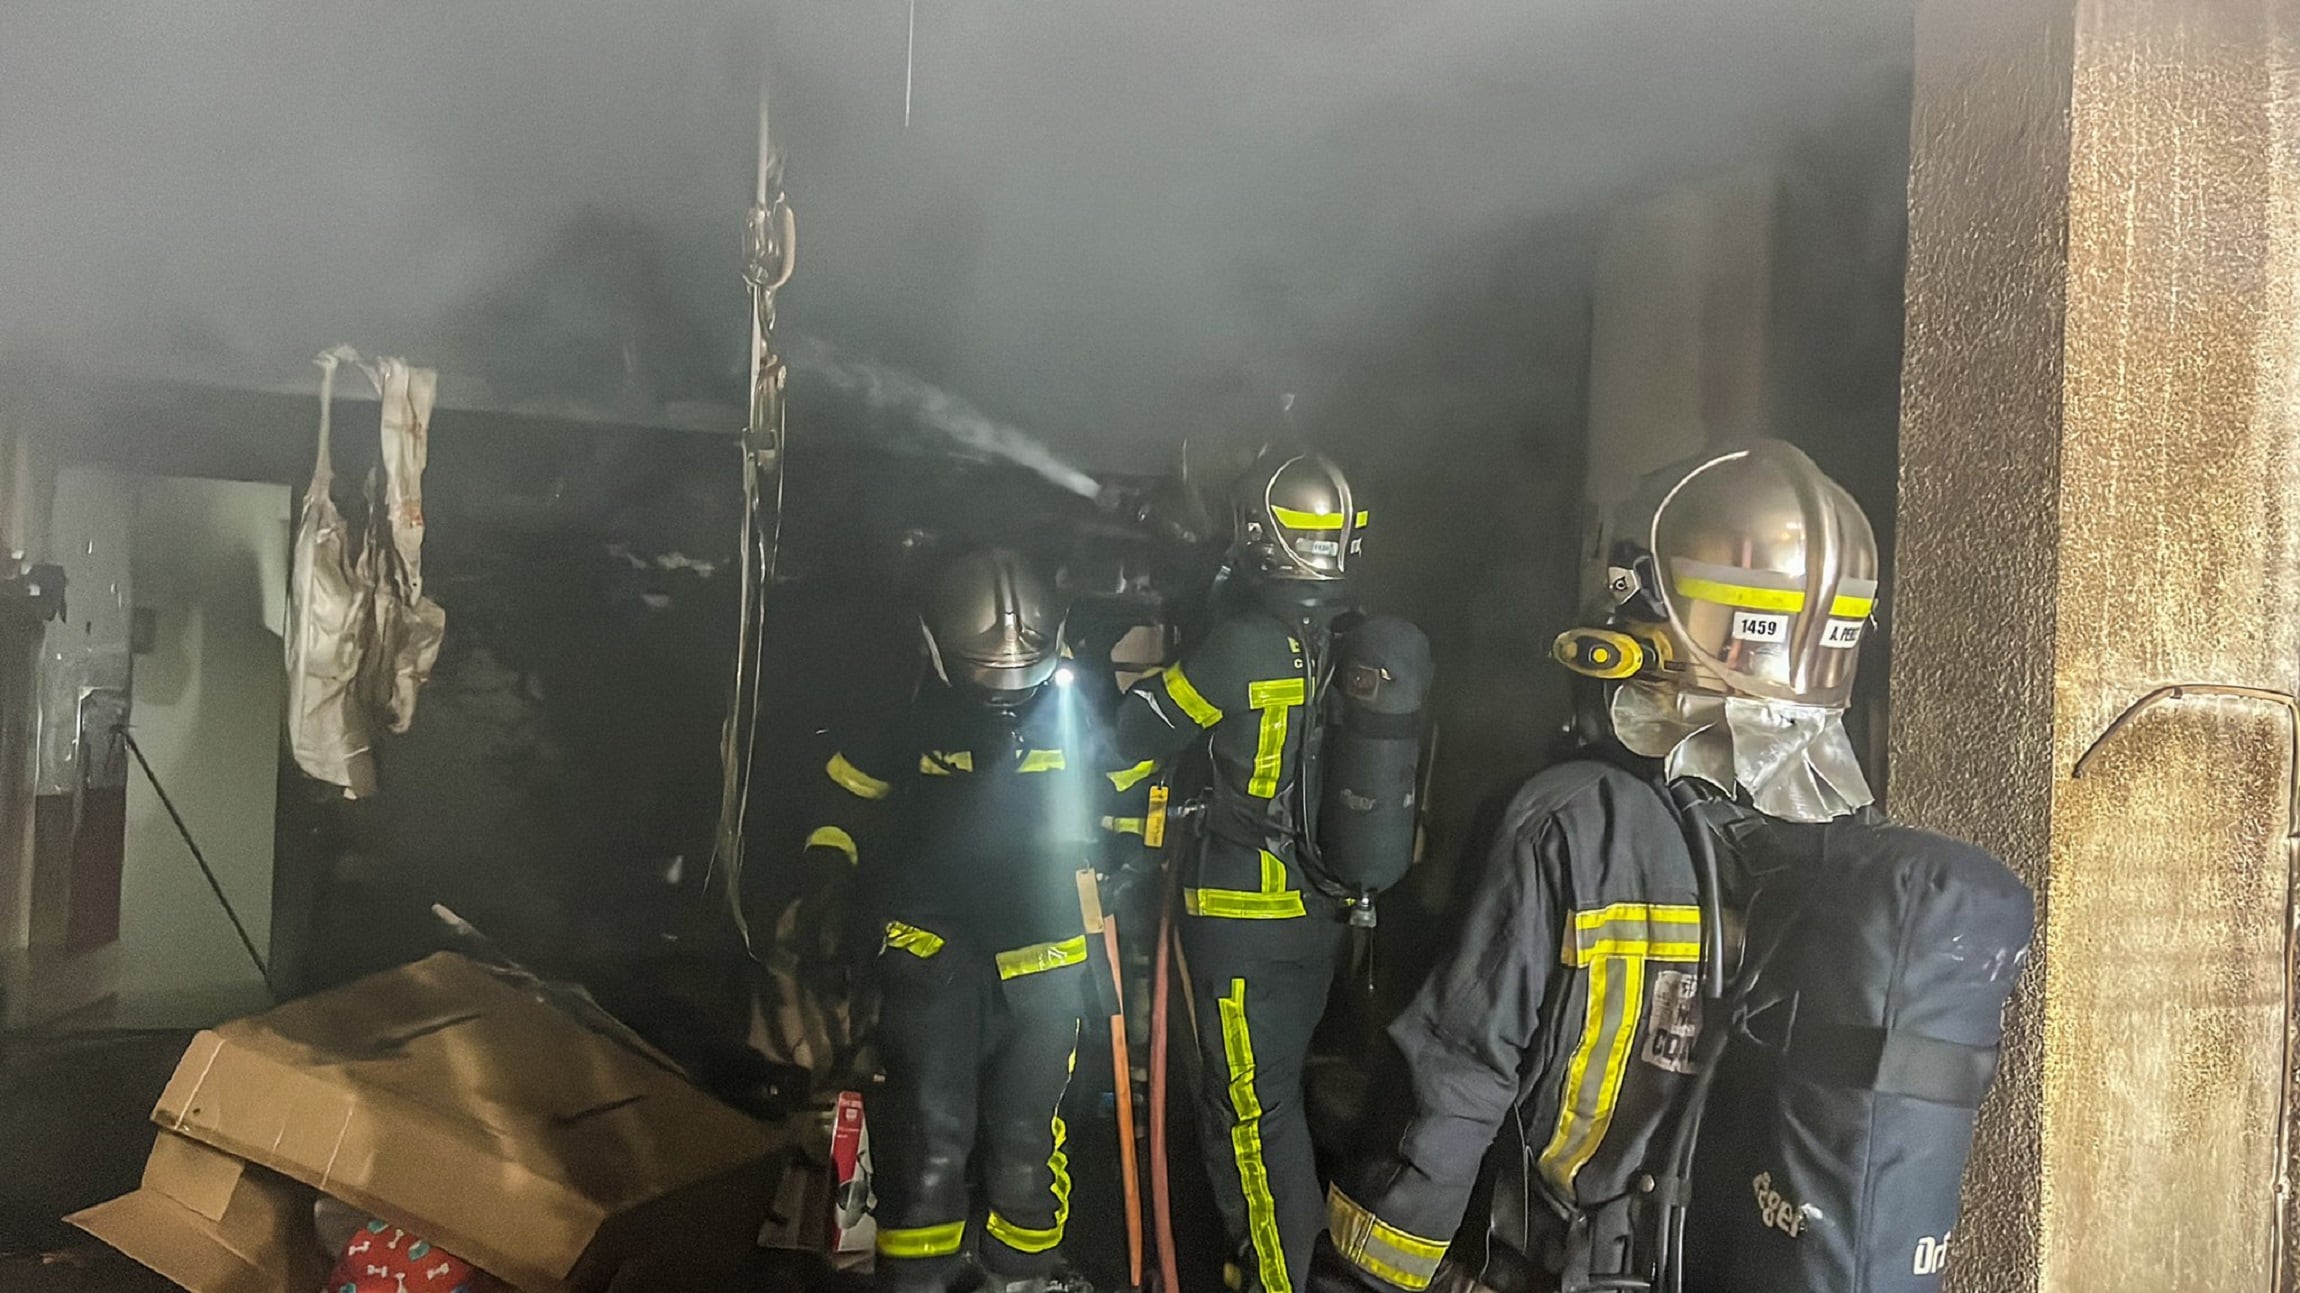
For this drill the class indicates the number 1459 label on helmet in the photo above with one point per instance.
(1760, 626)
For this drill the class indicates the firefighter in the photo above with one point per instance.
(969, 814)
(1260, 933)
(1558, 1029)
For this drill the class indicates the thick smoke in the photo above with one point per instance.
(1099, 215)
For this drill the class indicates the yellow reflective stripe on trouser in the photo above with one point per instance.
(1021, 1239)
(1044, 761)
(1379, 1248)
(832, 837)
(922, 1241)
(1273, 698)
(1659, 933)
(854, 780)
(1274, 901)
(1041, 957)
(1246, 1143)
(1132, 777)
(1201, 711)
(941, 763)
(918, 942)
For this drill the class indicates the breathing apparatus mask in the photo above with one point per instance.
(1738, 588)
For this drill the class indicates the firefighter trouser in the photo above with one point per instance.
(978, 1052)
(1260, 986)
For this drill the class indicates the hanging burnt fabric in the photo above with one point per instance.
(362, 637)
(408, 625)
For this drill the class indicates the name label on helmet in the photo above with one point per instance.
(1760, 626)
(1842, 633)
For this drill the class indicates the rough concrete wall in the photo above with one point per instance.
(1972, 728)
(2164, 1000)
(2099, 415)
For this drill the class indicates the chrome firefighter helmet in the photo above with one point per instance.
(1744, 572)
(1295, 517)
(1739, 585)
(992, 622)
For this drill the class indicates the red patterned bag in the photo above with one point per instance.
(382, 1258)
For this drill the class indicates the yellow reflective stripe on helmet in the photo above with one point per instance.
(1044, 761)
(1788, 600)
(1852, 608)
(1365, 519)
(1041, 957)
(1132, 777)
(1201, 711)
(922, 1241)
(832, 837)
(1274, 698)
(854, 780)
(1294, 520)
(1593, 1079)
(1246, 1142)
(1646, 931)
(1273, 901)
(1743, 586)
(918, 942)
(941, 763)
(1379, 1248)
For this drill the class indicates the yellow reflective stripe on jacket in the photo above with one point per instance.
(1021, 1238)
(1122, 825)
(1273, 901)
(1132, 777)
(918, 942)
(854, 780)
(831, 837)
(1613, 944)
(1044, 761)
(941, 763)
(1041, 957)
(1274, 698)
(1379, 1248)
(1651, 932)
(1202, 711)
(922, 1241)
(1246, 1142)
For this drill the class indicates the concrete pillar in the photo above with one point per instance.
(2100, 471)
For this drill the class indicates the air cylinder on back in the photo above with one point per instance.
(1376, 723)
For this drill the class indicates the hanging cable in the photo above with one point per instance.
(770, 253)
(231, 913)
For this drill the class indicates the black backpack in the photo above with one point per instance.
(1833, 1139)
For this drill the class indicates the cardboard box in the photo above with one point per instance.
(445, 1100)
(213, 1223)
